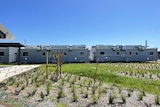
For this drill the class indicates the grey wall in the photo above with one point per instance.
(13, 52)
(127, 55)
(38, 56)
(5, 58)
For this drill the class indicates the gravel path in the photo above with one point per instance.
(8, 71)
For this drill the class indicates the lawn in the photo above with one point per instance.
(117, 84)
(107, 73)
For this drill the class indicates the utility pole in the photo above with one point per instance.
(46, 64)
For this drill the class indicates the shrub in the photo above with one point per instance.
(85, 94)
(111, 98)
(75, 98)
(123, 99)
(48, 87)
(140, 96)
(157, 100)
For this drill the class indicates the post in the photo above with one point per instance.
(96, 70)
(47, 64)
(19, 55)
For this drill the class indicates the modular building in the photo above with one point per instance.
(119, 53)
(70, 54)
(10, 52)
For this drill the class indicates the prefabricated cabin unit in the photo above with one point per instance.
(119, 53)
(70, 54)
(8, 54)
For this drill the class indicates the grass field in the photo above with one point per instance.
(107, 72)
(117, 84)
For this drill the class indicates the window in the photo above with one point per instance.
(130, 53)
(151, 53)
(81, 53)
(25, 53)
(1, 53)
(44, 53)
(117, 53)
(136, 53)
(65, 53)
(101, 53)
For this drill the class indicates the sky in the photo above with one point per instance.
(78, 22)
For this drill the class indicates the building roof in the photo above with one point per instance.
(11, 45)
(5, 34)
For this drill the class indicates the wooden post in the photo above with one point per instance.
(47, 64)
(96, 71)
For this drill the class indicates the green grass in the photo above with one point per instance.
(106, 73)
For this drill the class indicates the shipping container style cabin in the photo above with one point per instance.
(10, 52)
(119, 53)
(70, 54)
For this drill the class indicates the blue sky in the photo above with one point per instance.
(76, 22)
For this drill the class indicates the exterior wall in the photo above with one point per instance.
(71, 54)
(34, 56)
(76, 55)
(129, 54)
(158, 54)
(68, 56)
(4, 58)
(13, 52)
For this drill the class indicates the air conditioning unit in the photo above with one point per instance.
(124, 48)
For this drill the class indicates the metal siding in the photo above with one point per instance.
(110, 55)
(35, 56)
(12, 55)
(5, 58)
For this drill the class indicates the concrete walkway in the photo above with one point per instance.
(9, 71)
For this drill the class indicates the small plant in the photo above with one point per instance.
(73, 88)
(68, 78)
(104, 90)
(140, 96)
(27, 82)
(75, 98)
(61, 105)
(82, 90)
(150, 76)
(99, 93)
(123, 99)
(100, 83)
(129, 93)
(42, 95)
(85, 94)
(72, 81)
(158, 75)
(157, 100)
(144, 94)
(80, 85)
(89, 83)
(94, 99)
(31, 81)
(119, 89)
(31, 92)
(93, 90)
(88, 87)
(111, 98)
(23, 87)
(142, 74)
(79, 77)
(17, 84)
(60, 94)
(48, 87)
(38, 84)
